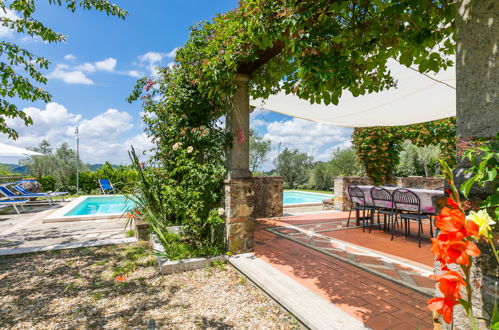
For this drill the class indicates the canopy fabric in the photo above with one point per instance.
(6, 150)
(416, 99)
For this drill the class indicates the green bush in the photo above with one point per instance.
(47, 182)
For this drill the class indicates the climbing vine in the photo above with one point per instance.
(314, 48)
(378, 147)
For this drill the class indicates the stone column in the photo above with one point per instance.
(237, 124)
(239, 194)
(477, 87)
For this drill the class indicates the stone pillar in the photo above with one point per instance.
(268, 196)
(239, 220)
(239, 194)
(237, 124)
(477, 87)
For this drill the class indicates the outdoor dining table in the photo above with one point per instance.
(426, 197)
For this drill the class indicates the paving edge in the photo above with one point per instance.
(167, 266)
(64, 246)
(308, 307)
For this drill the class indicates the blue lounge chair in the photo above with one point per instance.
(25, 192)
(9, 194)
(106, 186)
(14, 203)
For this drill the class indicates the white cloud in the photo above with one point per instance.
(134, 73)
(152, 60)
(109, 64)
(70, 57)
(4, 31)
(69, 76)
(105, 136)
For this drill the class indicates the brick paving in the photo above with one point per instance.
(371, 296)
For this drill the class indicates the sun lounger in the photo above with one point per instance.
(106, 186)
(25, 192)
(14, 203)
(9, 194)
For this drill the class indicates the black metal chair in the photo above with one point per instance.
(405, 197)
(383, 204)
(358, 203)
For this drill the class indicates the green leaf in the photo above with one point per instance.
(466, 186)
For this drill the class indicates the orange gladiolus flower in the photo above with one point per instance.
(450, 284)
(458, 252)
(472, 228)
(452, 204)
(443, 306)
(450, 220)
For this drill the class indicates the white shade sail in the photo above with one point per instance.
(417, 98)
(6, 150)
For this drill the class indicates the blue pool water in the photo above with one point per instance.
(101, 205)
(299, 197)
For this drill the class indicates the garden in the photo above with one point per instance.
(316, 50)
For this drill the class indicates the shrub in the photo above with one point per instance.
(47, 182)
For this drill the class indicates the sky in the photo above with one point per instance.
(93, 72)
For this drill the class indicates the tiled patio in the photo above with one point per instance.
(383, 283)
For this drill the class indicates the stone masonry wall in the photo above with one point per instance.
(239, 219)
(342, 202)
(268, 196)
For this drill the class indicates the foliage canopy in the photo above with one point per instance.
(19, 68)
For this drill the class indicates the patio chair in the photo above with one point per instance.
(382, 202)
(9, 194)
(14, 203)
(405, 197)
(26, 192)
(106, 186)
(358, 203)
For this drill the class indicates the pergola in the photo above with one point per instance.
(476, 108)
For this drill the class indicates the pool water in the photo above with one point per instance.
(299, 197)
(102, 205)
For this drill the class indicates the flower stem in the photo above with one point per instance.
(491, 241)
(469, 293)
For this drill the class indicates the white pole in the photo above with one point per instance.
(77, 161)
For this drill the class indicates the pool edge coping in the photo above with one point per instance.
(59, 214)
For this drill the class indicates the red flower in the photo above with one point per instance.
(452, 204)
(451, 221)
(450, 284)
(442, 306)
(458, 252)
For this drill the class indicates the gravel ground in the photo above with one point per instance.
(120, 287)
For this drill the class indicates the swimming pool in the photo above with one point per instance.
(302, 197)
(101, 205)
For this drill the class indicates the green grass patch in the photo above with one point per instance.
(130, 233)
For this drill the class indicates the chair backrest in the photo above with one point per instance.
(21, 189)
(105, 185)
(7, 192)
(356, 195)
(383, 196)
(405, 199)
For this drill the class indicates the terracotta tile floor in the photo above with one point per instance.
(380, 303)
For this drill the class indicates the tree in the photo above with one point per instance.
(293, 166)
(19, 68)
(416, 160)
(60, 165)
(259, 149)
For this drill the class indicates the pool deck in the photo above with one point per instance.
(27, 232)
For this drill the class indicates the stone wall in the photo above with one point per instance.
(419, 181)
(239, 220)
(268, 196)
(342, 202)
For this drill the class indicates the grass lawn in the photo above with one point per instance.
(120, 287)
(312, 191)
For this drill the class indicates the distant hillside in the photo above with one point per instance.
(14, 168)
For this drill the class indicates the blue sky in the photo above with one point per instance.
(94, 71)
